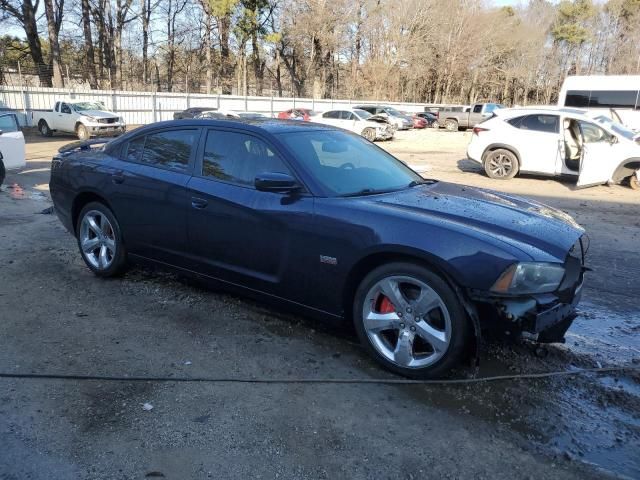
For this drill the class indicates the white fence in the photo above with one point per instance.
(140, 108)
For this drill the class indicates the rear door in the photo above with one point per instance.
(148, 188)
(12, 151)
(239, 234)
(599, 155)
(538, 142)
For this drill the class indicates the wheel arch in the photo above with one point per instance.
(625, 169)
(79, 203)
(496, 146)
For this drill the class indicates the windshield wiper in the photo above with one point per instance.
(364, 192)
(415, 183)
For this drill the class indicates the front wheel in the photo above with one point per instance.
(369, 134)
(410, 320)
(100, 240)
(634, 183)
(82, 132)
(501, 164)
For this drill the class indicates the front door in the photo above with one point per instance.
(66, 119)
(598, 155)
(239, 234)
(12, 152)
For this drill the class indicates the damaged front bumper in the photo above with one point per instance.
(545, 316)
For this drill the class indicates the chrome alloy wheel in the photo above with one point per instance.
(500, 165)
(97, 240)
(406, 321)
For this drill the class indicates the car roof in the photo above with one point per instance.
(269, 125)
(514, 112)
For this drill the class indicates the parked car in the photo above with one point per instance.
(395, 117)
(192, 112)
(419, 122)
(431, 119)
(358, 121)
(12, 149)
(296, 114)
(84, 119)
(212, 114)
(455, 118)
(595, 150)
(320, 220)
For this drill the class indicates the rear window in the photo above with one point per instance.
(537, 123)
(613, 99)
(577, 98)
(168, 149)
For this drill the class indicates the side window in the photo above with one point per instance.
(65, 108)
(515, 122)
(170, 149)
(8, 123)
(540, 123)
(593, 134)
(577, 98)
(57, 107)
(345, 115)
(331, 114)
(133, 152)
(477, 108)
(237, 158)
(613, 99)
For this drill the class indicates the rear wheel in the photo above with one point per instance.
(100, 240)
(451, 125)
(501, 164)
(410, 320)
(82, 132)
(435, 124)
(44, 129)
(369, 134)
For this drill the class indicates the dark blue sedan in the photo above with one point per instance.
(329, 224)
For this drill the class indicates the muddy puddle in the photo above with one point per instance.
(17, 192)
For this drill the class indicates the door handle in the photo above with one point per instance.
(198, 203)
(117, 177)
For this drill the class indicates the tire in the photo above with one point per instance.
(501, 164)
(3, 172)
(44, 129)
(634, 183)
(435, 125)
(369, 134)
(108, 257)
(423, 341)
(82, 132)
(451, 125)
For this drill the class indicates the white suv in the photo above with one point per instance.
(555, 141)
(12, 149)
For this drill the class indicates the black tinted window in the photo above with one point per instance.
(65, 108)
(333, 114)
(345, 115)
(577, 98)
(238, 157)
(613, 99)
(540, 123)
(477, 109)
(134, 150)
(169, 149)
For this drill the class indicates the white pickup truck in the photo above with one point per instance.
(85, 119)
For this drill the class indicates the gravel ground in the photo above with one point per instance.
(58, 318)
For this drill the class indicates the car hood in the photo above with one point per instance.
(377, 119)
(98, 114)
(522, 223)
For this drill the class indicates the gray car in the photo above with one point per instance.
(396, 118)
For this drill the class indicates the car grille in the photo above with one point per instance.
(108, 120)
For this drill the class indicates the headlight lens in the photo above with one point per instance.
(90, 118)
(529, 277)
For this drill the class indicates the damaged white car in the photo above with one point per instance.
(371, 127)
(557, 142)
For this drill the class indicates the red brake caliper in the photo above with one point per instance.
(385, 305)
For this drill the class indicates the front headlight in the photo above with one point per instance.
(529, 277)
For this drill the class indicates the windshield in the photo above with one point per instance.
(394, 112)
(363, 114)
(80, 107)
(491, 107)
(346, 164)
(616, 127)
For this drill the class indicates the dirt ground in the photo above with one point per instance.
(56, 317)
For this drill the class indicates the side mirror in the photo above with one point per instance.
(276, 182)
(613, 140)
